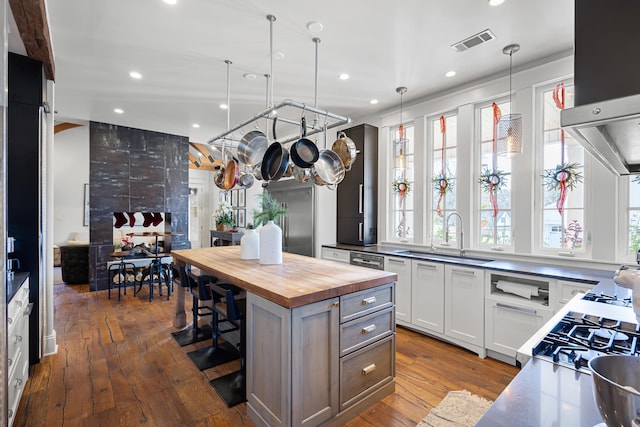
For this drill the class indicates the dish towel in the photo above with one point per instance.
(520, 289)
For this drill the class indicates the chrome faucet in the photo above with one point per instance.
(446, 232)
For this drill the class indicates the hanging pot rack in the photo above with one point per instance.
(284, 110)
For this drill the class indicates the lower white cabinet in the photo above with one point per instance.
(509, 324)
(402, 267)
(464, 303)
(340, 255)
(17, 347)
(427, 290)
(567, 290)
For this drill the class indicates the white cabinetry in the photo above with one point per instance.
(567, 290)
(17, 347)
(510, 320)
(340, 255)
(464, 304)
(402, 267)
(427, 290)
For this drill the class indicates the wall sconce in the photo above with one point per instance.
(510, 126)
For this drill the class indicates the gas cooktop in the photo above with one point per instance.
(579, 337)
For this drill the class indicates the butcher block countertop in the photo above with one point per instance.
(298, 281)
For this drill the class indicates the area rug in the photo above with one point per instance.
(458, 408)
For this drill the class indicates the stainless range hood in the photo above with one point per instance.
(606, 116)
(609, 131)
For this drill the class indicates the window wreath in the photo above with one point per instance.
(566, 174)
(401, 187)
(490, 180)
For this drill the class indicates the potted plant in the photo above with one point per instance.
(223, 216)
(270, 234)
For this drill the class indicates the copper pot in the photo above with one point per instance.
(345, 148)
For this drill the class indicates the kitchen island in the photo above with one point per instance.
(320, 334)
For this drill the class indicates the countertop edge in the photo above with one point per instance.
(14, 284)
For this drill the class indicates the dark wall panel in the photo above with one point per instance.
(134, 170)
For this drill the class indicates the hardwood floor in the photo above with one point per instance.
(117, 364)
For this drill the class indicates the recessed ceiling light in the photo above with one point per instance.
(135, 75)
(344, 76)
(224, 106)
(118, 110)
(314, 26)
(278, 55)
(170, 1)
(249, 76)
(450, 73)
(495, 2)
(195, 125)
(373, 101)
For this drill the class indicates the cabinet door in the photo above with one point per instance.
(427, 287)
(402, 267)
(351, 231)
(509, 325)
(315, 345)
(464, 304)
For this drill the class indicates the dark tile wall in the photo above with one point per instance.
(134, 170)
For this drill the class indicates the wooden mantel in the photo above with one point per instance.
(31, 19)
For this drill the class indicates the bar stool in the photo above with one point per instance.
(217, 353)
(196, 333)
(124, 271)
(231, 387)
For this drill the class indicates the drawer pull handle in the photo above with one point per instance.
(370, 300)
(368, 329)
(368, 369)
(28, 309)
(520, 309)
(10, 413)
(465, 272)
(430, 266)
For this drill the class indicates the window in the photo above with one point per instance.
(562, 208)
(634, 215)
(495, 197)
(443, 189)
(402, 182)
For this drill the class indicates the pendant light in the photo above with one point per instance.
(510, 125)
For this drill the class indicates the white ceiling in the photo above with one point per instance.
(181, 49)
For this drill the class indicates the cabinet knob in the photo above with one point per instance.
(9, 320)
(336, 304)
(10, 413)
(9, 362)
(18, 382)
(19, 303)
(18, 338)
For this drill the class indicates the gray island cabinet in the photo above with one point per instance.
(320, 335)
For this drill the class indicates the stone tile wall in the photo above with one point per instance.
(134, 170)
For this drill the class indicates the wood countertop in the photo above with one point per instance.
(299, 280)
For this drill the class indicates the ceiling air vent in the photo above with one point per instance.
(476, 39)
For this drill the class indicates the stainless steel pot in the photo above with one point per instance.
(328, 170)
(346, 149)
(245, 179)
(616, 381)
(252, 147)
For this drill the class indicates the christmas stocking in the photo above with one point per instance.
(148, 219)
(120, 219)
(157, 218)
(132, 219)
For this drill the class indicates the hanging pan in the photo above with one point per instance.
(252, 147)
(346, 149)
(230, 175)
(276, 159)
(328, 170)
(304, 152)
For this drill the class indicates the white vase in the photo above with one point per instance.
(250, 245)
(270, 244)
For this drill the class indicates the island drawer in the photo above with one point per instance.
(365, 330)
(367, 368)
(361, 303)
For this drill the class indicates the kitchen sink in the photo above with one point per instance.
(430, 256)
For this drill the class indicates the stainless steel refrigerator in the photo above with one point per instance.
(298, 226)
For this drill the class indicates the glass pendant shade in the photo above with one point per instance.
(510, 135)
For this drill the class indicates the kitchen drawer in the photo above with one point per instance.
(567, 290)
(365, 330)
(361, 303)
(17, 380)
(366, 369)
(339, 255)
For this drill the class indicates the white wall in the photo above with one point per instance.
(70, 173)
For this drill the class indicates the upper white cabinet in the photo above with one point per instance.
(464, 303)
(427, 305)
(402, 267)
